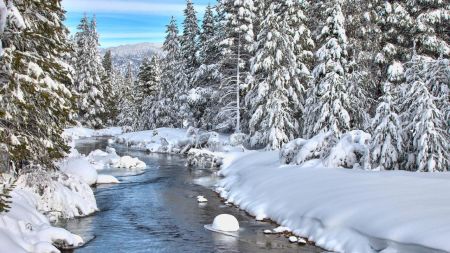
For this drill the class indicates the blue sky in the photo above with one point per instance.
(129, 21)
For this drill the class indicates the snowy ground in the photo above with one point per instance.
(41, 196)
(340, 209)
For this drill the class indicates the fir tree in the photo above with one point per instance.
(35, 104)
(189, 40)
(276, 96)
(387, 141)
(424, 123)
(89, 73)
(150, 76)
(327, 106)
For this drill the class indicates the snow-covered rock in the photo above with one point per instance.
(225, 223)
(81, 167)
(129, 162)
(107, 179)
(293, 239)
(267, 231)
(23, 229)
(57, 194)
(201, 199)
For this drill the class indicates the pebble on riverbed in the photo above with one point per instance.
(293, 239)
(201, 199)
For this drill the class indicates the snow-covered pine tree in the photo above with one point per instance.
(430, 32)
(110, 83)
(386, 146)
(35, 104)
(150, 77)
(276, 95)
(395, 25)
(127, 112)
(208, 76)
(327, 107)
(189, 40)
(167, 115)
(237, 49)
(424, 123)
(89, 73)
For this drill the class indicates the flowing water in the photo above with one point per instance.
(157, 211)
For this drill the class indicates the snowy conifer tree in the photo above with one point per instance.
(169, 103)
(387, 141)
(424, 123)
(150, 77)
(35, 104)
(189, 40)
(237, 49)
(89, 73)
(127, 112)
(276, 95)
(327, 106)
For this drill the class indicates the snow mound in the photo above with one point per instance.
(343, 210)
(129, 162)
(58, 195)
(24, 229)
(107, 179)
(81, 167)
(103, 160)
(225, 223)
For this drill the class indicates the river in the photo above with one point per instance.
(157, 211)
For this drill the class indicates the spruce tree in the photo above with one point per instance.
(189, 40)
(89, 73)
(387, 141)
(276, 95)
(424, 123)
(35, 104)
(150, 76)
(169, 102)
(327, 106)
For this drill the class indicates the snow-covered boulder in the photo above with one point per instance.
(225, 223)
(129, 162)
(107, 179)
(204, 158)
(81, 167)
(57, 194)
(23, 229)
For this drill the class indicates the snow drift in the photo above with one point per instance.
(341, 209)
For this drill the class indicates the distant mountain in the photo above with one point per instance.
(133, 53)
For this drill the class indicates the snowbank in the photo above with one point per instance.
(107, 179)
(24, 229)
(81, 167)
(57, 194)
(75, 133)
(341, 209)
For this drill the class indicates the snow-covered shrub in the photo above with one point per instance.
(238, 139)
(129, 162)
(300, 150)
(203, 158)
(58, 195)
(351, 151)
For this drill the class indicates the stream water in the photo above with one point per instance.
(157, 211)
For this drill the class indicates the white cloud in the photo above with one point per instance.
(115, 6)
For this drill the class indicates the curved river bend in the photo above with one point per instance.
(157, 211)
